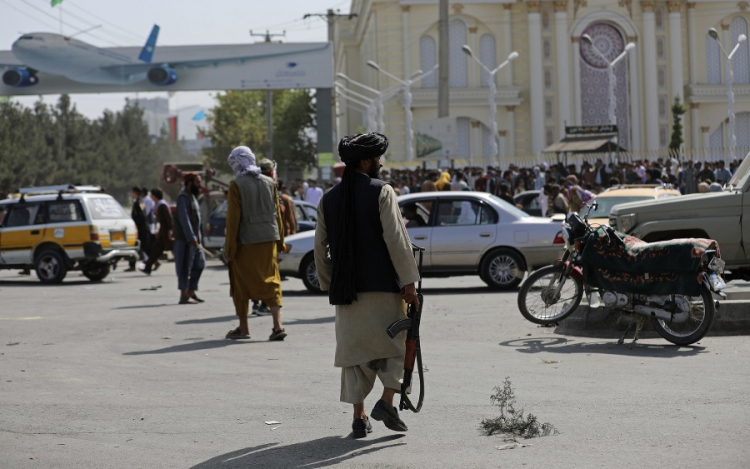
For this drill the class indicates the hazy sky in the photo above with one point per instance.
(182, 22)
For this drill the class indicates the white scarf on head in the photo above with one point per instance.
(242, 161)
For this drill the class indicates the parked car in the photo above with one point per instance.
(723, 216)
(215, 227)
(56, 229)
(529, 202)
(464, 233)
(624, 194)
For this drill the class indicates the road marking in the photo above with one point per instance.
(31, 318)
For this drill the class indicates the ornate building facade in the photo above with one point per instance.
(558, 79)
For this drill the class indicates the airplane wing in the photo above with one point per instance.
(135, 68)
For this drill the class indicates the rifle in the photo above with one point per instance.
(413, 348)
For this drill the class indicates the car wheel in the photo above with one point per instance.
(50, 266)
(502, 269)
(309, 273)
(96, 271)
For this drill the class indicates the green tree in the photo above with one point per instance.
(678, 109)
(239, 118)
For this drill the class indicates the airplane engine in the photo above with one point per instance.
(162, 76)
(20, 78)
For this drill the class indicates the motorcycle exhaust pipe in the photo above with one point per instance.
(653, 312)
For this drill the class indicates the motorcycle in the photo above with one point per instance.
(670, 282)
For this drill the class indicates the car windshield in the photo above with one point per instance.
(220, 211)
(606, 204)
(740, 177)
(510, 208)
(105, 208)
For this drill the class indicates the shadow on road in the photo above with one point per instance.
(36, 283)
(297, 322)
(206, 320)
(561, 345)
(321, 452)
(196, 346)
(148, 306)
(457, 291)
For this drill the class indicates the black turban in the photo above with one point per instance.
(354, 148)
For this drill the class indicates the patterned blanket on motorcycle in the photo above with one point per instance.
(619, 262)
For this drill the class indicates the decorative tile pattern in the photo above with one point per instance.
(595, 84)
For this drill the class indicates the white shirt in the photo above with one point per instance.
(313, 195)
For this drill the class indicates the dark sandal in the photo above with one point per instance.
(277, 335)
(186, 301)
(195, 297)
(235, 334)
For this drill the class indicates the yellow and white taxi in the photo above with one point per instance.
(55, 229)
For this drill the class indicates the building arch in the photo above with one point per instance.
(459, 61)
(428, 59)
(630, 139)
(488, 56)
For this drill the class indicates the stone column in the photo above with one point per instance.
(405, 40)
(675, 49)
(563, 61)
(636, 117)
(502, 134)
(695, 140)
(577, 113)
(511, 140)
(507, 46)
(649, 74)
(536, 84)
(692, 34)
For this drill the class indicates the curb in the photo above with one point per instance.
(732, 318)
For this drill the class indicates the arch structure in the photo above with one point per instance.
(610, 32)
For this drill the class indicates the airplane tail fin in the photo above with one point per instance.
(148, 49)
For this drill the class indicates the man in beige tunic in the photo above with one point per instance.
(364, 259)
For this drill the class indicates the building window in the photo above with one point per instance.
(459, 76)
(716, 143)
(661, 76)
(713, 61)
(663, 136)
(549, 109)
(740, 60)
(463, 137)
(660, 47)
(546, 19)
(548, 78)
(659, 17)
(742, 133)
(549, 136)
(427, 60)
(547, 48)
(488, 56)
(663, 106)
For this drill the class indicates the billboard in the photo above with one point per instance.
(48, 63)
(437, 139)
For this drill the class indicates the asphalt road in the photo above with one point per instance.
(117, 375)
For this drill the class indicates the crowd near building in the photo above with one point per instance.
(559, 79)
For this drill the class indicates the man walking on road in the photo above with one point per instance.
(369, 276)
(163, 237)
(189, 260)
(313, 194)
(254, 236)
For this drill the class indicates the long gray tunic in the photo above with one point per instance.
(360, 327)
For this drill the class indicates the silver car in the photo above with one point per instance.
(464, 233)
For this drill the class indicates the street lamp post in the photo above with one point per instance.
(380, 98)
(730, 95)
(369, 104)
(416, 76)
(493, 104)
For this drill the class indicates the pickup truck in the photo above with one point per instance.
(723, 216)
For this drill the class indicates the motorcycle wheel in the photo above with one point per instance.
(698, 322)
(534, 302)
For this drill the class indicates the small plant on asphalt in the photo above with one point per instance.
(512, 421)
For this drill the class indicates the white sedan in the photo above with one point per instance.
(464, 233)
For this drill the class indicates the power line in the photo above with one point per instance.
(27, 14)
(134, 35)
(66, 24)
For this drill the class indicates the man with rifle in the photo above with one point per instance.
(365, 262)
